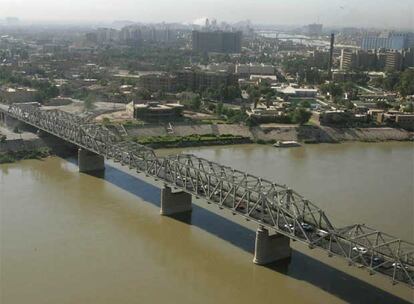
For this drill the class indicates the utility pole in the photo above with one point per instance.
(331, 56)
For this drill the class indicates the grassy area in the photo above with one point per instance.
(170, 141)
(11, 156)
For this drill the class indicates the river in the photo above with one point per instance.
(67, 237)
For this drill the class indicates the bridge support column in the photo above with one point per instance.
(270, 248)
(42, 134)
(10, 122)
(2, 117)
(173, 203)
(89, 161)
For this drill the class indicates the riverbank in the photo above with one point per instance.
(269, 133)
(194, 140)
(28, 145)
(14, 156)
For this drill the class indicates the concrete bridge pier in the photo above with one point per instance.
(173, 203)
(89, 161)
(42, 134)
(2, 117)
(270, 248)
(10, 122)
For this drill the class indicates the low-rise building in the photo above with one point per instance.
(298, 92)
(246, 70)
(338, 117)
(154, 110)
(268, 114)
(158, 82)
(17, 95)
(395, 118)
(374, 113)
(405, 121)
(269, 79)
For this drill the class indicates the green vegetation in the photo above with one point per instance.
(405, 84)
(170, 141)
(231, 115)
(89, 103)
(11, 156)
(45, 89)
(196, 103)
(106, 121)
(402, 82)
(227, 93)
(300, 116)
(335, 90)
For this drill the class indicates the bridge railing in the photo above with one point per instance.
(269, 204)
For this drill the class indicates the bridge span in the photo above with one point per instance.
(280, 212)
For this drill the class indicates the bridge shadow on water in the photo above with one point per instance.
(300, 266)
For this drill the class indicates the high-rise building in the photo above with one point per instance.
(408, 60)
(366, 60)
(314, 29)
(393, 61)
(349, 60)
(388, 40)
(360, 59)
(106, 35)
(217, 41)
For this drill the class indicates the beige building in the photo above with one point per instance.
(154, 110)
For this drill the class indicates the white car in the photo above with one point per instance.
(289, 227)
(399, 265)
(322, 233)
(360, 249)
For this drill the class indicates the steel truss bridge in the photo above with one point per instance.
(272, 206)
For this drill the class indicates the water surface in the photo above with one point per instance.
(67, 237)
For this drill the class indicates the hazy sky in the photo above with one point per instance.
(380, 13)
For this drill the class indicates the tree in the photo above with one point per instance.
(196, 103)
(144, 94)
(106, 121)
(405, 84)
(409, 107)
(305, 104)
(313, 76)
(334, 90)
(391, 81)
(301, 116)
(89, 102)
(219, 108)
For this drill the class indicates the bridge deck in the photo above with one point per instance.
(273, 206)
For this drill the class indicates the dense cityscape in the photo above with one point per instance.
(182, 104)
(235, 76)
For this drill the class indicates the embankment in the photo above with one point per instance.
(275, 132)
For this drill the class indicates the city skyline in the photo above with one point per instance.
(338, 13)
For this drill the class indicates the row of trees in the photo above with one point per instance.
(226, 93)
(402, 82)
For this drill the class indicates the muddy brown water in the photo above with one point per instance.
(67, 237)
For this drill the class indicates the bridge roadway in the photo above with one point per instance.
(280, 213)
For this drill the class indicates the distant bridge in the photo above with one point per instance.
(281, 36)
(280, 213)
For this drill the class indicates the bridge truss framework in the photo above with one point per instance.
(272, 206)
